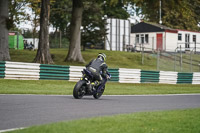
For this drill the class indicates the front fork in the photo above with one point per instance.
(101, 86)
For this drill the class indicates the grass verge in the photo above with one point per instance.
(61, 87)
(178, 121)
(115, 59)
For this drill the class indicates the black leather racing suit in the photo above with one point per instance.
(98, 68)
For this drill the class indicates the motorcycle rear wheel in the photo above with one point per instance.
(78, 91)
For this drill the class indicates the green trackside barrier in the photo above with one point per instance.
(149, 76)
(184, 78)
(53, 78)
(54, 72)
(59, 72)
(54, 67)
(2, 69)
(2, 63)
(114, 74)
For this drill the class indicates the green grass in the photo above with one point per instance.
(186, 66)
(178, 121)
(62, 87)
(115, 59)
(58, 87)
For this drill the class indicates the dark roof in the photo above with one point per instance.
(149, 27)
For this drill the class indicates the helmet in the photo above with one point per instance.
(102, 55)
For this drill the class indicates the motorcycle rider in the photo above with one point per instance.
(98, 68)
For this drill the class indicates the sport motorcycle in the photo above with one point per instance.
(86, 86)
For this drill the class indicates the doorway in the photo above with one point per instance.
(159, 42)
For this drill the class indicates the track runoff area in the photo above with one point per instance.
(19, 111)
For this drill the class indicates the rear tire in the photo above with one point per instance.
(78, 90)
(99, 94)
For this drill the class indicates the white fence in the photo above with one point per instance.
(20, 70)
(34, 71)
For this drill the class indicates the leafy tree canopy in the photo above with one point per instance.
(16, 13)
(61, 14)
(93, 23)
(175, 14)
(116, 9)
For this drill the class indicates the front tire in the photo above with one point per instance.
(99, 94)
(78, 91)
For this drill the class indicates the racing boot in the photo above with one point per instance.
(97, 83)
(93, 86)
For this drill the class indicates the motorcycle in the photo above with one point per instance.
(83, 86)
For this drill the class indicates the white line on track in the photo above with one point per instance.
(12, 129)
(155, 95)
(106, 95)
(6, 130)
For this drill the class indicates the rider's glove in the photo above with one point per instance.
(108, 77)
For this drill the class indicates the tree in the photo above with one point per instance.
(60, 18)
(16, 13)
(93, 31)
(35, 6)
(175, 14)
(4, 48)
(61, 14)
(94, 16)
(74, 53)
(43, 53)
(116, 9)
(180, 15)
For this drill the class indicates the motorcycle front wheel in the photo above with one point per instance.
(78, 91)
(99, 94)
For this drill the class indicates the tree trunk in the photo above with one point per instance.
(74, 53)
(34, 28)
(60, 39)
(43, 53)
(4, 47)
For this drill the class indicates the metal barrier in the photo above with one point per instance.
(55, 72)
(20, 70)
(34, 71)
(2, 69)
(75, 73)
(129, 75)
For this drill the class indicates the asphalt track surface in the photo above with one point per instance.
(26, 110)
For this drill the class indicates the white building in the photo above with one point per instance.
(153, 37)
(118, 34)
(189, 40)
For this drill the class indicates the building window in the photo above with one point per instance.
(142, 38)
(187, 40)
(137, 38)
(194, 38)
(179, 36)
(146, 38)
